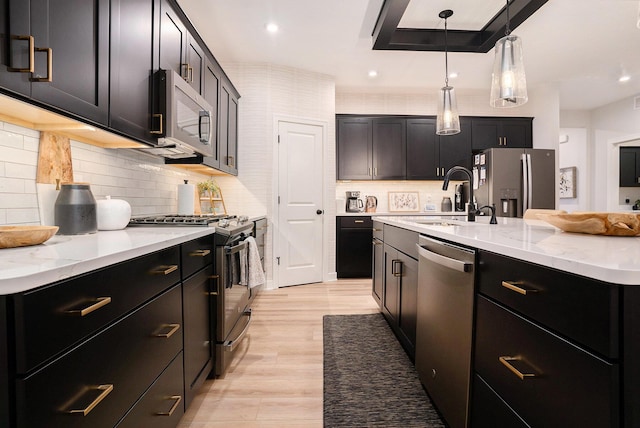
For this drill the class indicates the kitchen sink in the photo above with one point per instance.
(448, 222)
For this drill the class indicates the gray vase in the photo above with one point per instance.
(75, 210)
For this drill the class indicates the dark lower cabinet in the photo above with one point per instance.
(353, 246)
(378, 269)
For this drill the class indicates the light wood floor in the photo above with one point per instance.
(276, 379)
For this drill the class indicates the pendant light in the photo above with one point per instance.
(447, 121)
(508, 84)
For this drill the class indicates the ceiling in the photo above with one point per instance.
(580, 46)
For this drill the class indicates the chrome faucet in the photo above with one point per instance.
(471, 214)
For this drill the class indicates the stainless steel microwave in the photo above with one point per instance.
(183, 120)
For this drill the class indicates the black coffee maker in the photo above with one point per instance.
(354, 203)
(461, 196)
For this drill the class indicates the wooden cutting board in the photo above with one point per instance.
(54, 166)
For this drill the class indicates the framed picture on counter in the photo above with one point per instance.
(404, 201)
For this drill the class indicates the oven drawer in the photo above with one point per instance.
(100, 379)
(559, 385)
(196, 254)
(582, 309)
(51, 319)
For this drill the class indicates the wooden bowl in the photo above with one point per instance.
(22, 236)
(594, 223)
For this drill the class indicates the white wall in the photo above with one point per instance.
(573, 153)
(142, 180)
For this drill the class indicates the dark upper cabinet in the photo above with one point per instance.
(389, 148)
(132, 34)
(179, 50)
(490, 132)
(70, 50)
(629, 166)
(212, 73)
(228, 128)
(354, 150)
(429, 156)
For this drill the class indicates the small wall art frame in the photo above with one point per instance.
(404, 202)
(568, 177)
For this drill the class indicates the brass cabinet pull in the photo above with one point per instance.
(358, 221)
(96, 304)
(376, 243)
(199, 253)
(217, 278)
(49, 76)
(106, 390)
(375, 171)
(370, 172)
(173, 327)
(394, 271)
(164, 270)
(230, 161)
(190, 73)
(184, 71)
(517, 287)
(173, 408)
(506, 361)
(31, 67)
(160, 117)
(376, 230)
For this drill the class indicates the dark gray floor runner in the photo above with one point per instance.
(368, 379)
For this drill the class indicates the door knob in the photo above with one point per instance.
(319, 212)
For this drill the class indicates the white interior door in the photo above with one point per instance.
(300, 210)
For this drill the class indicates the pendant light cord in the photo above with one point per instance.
(446, 59)
(507, 30)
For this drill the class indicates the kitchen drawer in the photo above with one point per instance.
(196, 254)
(129, 355)
(378, 230)
(402, 239)
(162, 405)
(582, 309)
(488, 410)
(51, 319)
(569, 387)
(361, 222)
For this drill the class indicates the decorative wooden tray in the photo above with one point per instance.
(594, 223)
(22, 236)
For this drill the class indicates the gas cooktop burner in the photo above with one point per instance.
(178, 220)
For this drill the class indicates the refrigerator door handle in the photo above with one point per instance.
(530, 180)
(525, 183)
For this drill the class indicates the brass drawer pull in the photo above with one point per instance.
(217, 278)
(506, 361)
(96, 304)
(376, 243)
(30, 68)
(106, 390)
(517, 287)
(173, 408)
(376, 230)
(199, 253)
(159, 117)
(358, 221)
(394, 271)
(173, 327)
(49, 76)
(164, 270)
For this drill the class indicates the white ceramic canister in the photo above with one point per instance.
(113, 214)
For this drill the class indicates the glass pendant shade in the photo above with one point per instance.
(508, 84)
(447, 121)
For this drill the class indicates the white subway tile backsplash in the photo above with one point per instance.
(21, 130)
(14, 170)
(11, 185)
(19, 155)
(23, 216)
(11, 139)
(18, 200)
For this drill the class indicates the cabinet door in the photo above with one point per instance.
(198, 357)
(391, 292)
(211, 94)
(228, 126)
(422, 150)
(173, 40)
(378, 270)
(389, 149)
(77, 34)
(517, 132)
(408, 301)
(629, 167)
(484, 133)
(195, 63)
(131, 67)
(14, 46)
(354, 247)
(354, 151)
(456, 149)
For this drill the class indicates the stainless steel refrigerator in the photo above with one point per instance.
(515, 180)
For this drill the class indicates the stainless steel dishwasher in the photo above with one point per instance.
(444, 326)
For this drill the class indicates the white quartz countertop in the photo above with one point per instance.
(607, 258)
(397, 213)
(62, 257)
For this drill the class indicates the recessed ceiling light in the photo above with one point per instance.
(624, 78)
(373, 73)
(272, 27)
(453, 75)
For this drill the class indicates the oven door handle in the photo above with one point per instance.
(236, 248)
(230, 345)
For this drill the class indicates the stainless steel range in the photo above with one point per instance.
(231, 298)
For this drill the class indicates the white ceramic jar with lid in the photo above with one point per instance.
(113, 214)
